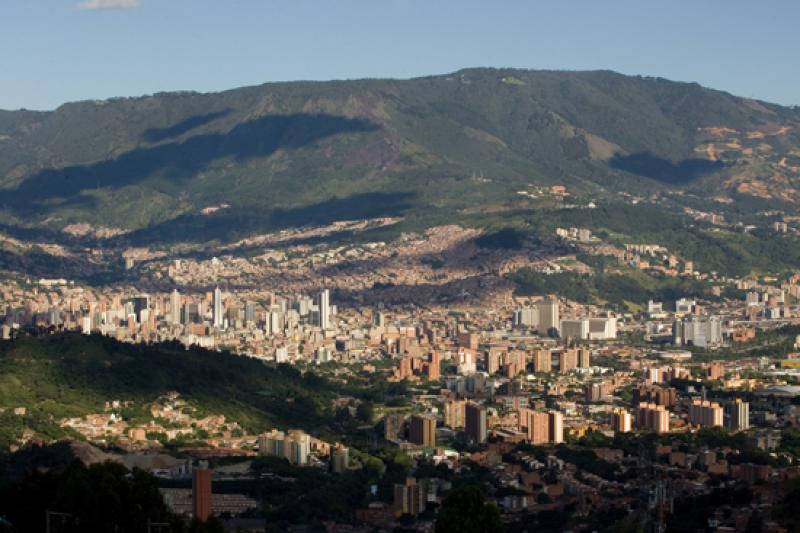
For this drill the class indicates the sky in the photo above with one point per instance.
(55, 51)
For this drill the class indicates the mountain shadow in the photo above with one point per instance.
(176, 162)
(650, 166)
(231, 224)
(154, 135)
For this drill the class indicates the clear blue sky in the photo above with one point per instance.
(53, 51)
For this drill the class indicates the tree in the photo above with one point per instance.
(365, 411)
(465, 510)
(101, 497)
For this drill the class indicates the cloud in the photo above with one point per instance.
(108, 4)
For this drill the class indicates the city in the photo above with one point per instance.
(552, 398)
(399, 267)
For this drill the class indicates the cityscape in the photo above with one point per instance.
(539, 392)
(399, 295)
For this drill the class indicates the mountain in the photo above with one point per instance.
(183, 165)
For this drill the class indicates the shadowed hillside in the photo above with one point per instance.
(445, 143)
(69, 375)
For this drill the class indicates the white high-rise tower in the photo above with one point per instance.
(324, 309)
(175, 307)
(218, 308)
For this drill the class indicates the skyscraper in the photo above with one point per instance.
(324, 309)
(737, 415)
(653, 417)
(201, 493)
(475, 422)
(454, 413)
(218, 308)
(567, 360)
(250, 312)
(434, 368)
(621, 420)
(584, 357)
(548, 316)
(409, 498)
(542, 361)
(423, 431)
(705, 413)
(175, 307)
(538, 427)
(556, 427)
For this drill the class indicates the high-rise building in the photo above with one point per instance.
(652, 394)
(653, 417)
(140, 303)
(294, 446)
(492, 361)
(218, 311)
(201, 493)
(469, 340)
(737, 415)
(620, 420)
(548, 316)
(702, 331)
(405, 368)
(595, 392)
(705, 413)
(434, 368)
(515, 363)
(324, 307)
(191, 313)
(475, 422)
(715, 371)
(340, 459)
(409, 498)
(275, 322)
(584, 357)
(454, 413)
(567, 360)
(297, 447)
(528, 316)
(271, 443)
(393, 426)
(423, 431)
(556, 427)
(250, 312)
(175, 307)
(542, 361)
(538, 427)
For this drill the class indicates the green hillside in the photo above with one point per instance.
(69, 375)
(287, 154)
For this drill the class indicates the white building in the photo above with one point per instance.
(217, 312)
(175, 307)
(574, 329)
(704, 332)
(599, 328)
(324, 309)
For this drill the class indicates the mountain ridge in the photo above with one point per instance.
(450, 142)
